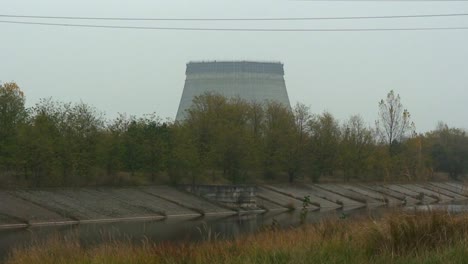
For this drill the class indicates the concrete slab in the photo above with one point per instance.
(342, 194)
(450, 188)
(397, 195)
(459, 186)
(186, 200)
(269, 206)
(152, 204)
(7, 220)
(416, 195)
(437, 196)
(367, 191)
(445, 192)
(281, 199)
(355, 196)
(300, 192)
(354, 207)
(331, 196)
(109, 205)
(61, 204)
(66, 206)
(26, 212)
(455, 184)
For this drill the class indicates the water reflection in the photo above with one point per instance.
(451, 207)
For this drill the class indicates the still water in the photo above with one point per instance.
(175, 229)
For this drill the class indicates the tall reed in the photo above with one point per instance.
(398, 237)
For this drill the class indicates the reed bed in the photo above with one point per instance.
(399, 237)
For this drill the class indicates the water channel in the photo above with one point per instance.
(190, 229)
(171, 229)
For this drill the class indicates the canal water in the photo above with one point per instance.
(175, 229)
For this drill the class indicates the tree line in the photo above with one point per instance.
(220, 141)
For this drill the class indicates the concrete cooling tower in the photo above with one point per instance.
(249, 80)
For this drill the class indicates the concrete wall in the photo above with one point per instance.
(23, 208)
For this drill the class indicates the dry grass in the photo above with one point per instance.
(402, 234)
(396, 238)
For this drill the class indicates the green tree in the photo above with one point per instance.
(324, 145)
(12, 115)
(357, 146)
(140, 146)
(156, 137)
(449, 150)
(184, 161)
(298, 158)
(82, 127)
(206, 111)
(255, 133)
(43, 150)
(112, 148)
(220, 128)
(133, 141)
(232, 140)
(279, 141)
(413, 159)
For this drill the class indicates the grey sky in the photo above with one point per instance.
(142, 71)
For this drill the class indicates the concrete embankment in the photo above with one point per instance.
(23, 208)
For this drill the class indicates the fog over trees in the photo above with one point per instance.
(221, 141)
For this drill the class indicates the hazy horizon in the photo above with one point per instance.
(143, 71)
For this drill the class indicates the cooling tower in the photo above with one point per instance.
(249, 80)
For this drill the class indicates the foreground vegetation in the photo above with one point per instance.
(396, 238)
(221, 141)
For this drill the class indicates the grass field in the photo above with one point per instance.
(395, 238)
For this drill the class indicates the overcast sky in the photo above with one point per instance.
(143, 71)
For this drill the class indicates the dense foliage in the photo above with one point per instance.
(221, 141)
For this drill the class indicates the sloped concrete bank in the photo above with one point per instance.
(24, 208)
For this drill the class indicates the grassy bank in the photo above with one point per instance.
(395, 238)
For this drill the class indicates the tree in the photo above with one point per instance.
(449, 150)
(83, 125)
(356, 147)
(394, 121)
(203, 116)
(255, 133)
(220, 129)
(324, 145)
(279, 141)
(302, 117)
(232, 140)
(184, 160)
(413, 161)
(45, 154)
(60, 143)
(12, 115)
(112, 148)
(156, 136)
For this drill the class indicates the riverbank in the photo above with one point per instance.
(67, 206)
(397, 237)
